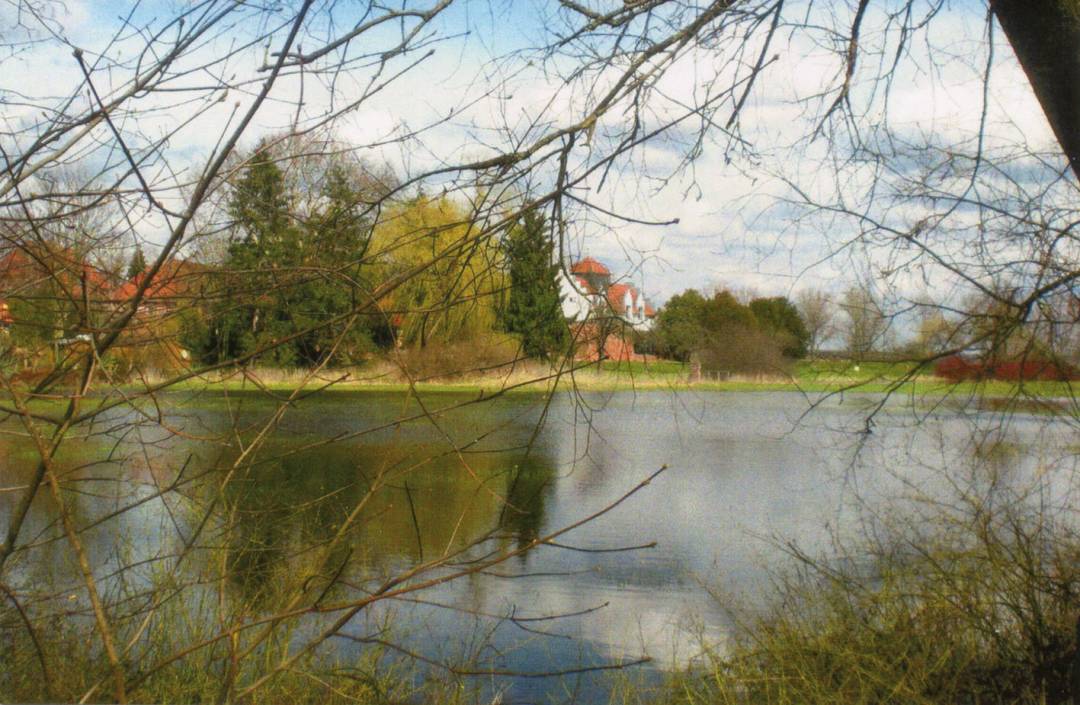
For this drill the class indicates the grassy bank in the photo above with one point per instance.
(816, 379)
(812, 377)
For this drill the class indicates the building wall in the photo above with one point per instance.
(575, 304)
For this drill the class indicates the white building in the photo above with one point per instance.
(589, 287)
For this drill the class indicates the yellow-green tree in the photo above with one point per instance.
(457, 278)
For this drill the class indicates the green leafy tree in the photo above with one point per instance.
(779, 316)
(679, 326)
(534, 308)
(725, 335)
(723, 312)
(455, 296)
(690, 322)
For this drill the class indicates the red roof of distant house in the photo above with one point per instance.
(157, 289)
(18, 268)
(649, 311)
(616, 295)
(173, 280)
(590, 266)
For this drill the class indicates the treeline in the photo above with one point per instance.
(307, 256)
(329, 264)
(721, 333)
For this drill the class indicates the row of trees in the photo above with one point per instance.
(858, 324)
(305, 276)
(722, 333)
(755, 333)
(302, 262)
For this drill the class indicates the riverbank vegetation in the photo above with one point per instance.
(964, 593)
(819, 377)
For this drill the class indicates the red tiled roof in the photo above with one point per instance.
(590, 266)
(17, 268)
(649, 311)
(616, 295)
(157, 290)
(175, 279)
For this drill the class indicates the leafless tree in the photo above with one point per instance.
(817, 312)
(866, 323)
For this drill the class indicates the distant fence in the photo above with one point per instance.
(872, 356)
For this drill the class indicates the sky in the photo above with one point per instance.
(733, 227)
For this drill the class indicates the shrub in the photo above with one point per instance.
(486, 353)
(958, 368)
(956, 598)
(744, 350)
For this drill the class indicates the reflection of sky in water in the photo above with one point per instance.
(742, 473)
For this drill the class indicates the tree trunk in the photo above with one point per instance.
(1045, 35)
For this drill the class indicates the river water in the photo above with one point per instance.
(744, 473)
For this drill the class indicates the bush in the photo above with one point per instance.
(957, 368)
(744, 350)
(486, 353)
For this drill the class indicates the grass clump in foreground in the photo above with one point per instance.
(57, 661)
(978, 606)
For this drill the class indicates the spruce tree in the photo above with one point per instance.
(137, 265)
(534, 308)
(254, 310)
(287, 275)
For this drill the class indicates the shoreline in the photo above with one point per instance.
(818, 378)
(928, 386)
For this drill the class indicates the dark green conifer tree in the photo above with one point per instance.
(534, 307)
(137, 265)
(250, 313)
(289, 280)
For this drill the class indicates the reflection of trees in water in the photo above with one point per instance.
(421, 505)
(255, 550)
(530, 483)
(279, 510)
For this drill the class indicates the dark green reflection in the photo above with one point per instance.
(418, 502)
(530, 485)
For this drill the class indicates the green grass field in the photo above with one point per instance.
(816, 376)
